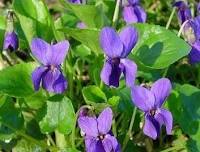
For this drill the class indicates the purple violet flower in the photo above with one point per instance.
(134, 13)
(77, 1)
(11, 41)
(184, 12)
(98, 136)
(49, 73)
(191, 34)
(117, 47)
(81, 25)
(150, 101)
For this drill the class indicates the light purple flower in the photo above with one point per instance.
(117, 47)
(98, 136)
(191, 34)
(134, 13)
(81, 25)
(11, 41)
(49, 73)
(184, 12)
(150, 101)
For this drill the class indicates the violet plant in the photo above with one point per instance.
(118, 81)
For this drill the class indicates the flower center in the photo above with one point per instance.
(101, 137)
(116, 61)
(52, 67)
(152, 112)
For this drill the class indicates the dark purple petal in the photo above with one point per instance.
(90, 144)
(37, 77)
(194, 55)
(130, 71)
(111, 43)
(164, 117)
(129, 37)
(59, 51)
(53, 81)
(60, 85)
(110, 143)
(142, 98)
(184, 12)
(88, 125)
(196, 27)
(11, 41)
(134, 14)
(151, 127)
(104, 121)
(133, 2)
(110, 73)
(75, 1)
(198, 8)
(161, 90)
(41, 50)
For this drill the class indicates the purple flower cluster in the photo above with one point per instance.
(133, 12)
(116, 46)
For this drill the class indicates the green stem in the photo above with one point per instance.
(101, 85)
(176, 148)
(116, 13)
(129, 134)
(60, 140)
(20, 133)
(170, 18)
(51, 140)
(182, 28)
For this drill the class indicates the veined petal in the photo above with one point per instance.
(141, 14)
(110, 143)
(49, 78)
(41, 50)
(129, 15)
(110, 74)
(151, 127)
(88, 125)
(11, 41)
(60, 85)
(59, 51)
(130, 71)
(90, 144)
(37, 77)
(194, 55)
(142, 98)
(104, 121)
(164, 117)
(133, 2)
(161, 90)
(129, 37)
(111, 43)
(134, 14)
